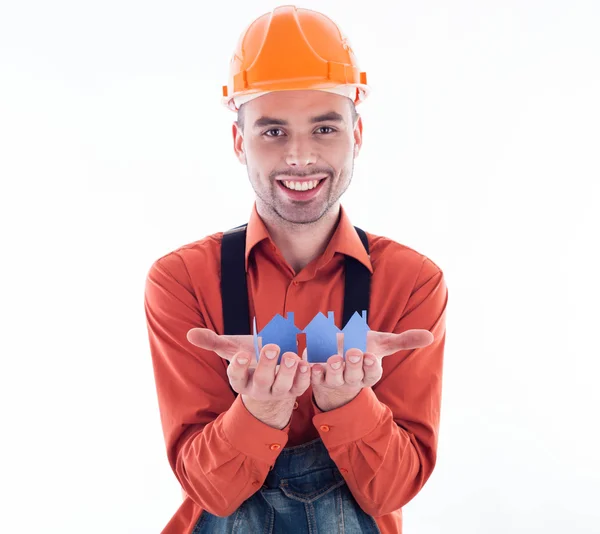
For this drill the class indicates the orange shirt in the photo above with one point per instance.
(384, 441)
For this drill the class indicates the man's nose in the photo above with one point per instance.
(300, 154)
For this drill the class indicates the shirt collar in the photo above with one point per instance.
(345, 239)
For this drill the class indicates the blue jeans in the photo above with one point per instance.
(304, 493)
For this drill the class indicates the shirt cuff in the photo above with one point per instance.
(251, 436)
(350, 422)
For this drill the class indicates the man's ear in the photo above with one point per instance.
(358, 136)
(238, 143)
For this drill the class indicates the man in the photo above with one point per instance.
(334, 447)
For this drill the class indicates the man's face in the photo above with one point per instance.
(299, 135)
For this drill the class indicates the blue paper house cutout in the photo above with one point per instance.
(280, 331)
(321, 335)
(355, 332)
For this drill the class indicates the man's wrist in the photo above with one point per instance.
(331, 403)
(276, 414)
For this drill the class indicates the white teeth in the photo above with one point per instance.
(302, 186)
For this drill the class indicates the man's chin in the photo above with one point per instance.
(301, 214)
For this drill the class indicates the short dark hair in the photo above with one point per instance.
(240, 115)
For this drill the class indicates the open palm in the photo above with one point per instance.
(380, 344)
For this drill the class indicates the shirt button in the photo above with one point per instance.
(343, 470)
(296, 282)
(324, 428)
(296, 405)
(275, 447)
(255, 483)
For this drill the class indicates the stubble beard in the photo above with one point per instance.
(272, 199)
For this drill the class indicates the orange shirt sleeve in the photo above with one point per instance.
(385, 440)
(219, 452)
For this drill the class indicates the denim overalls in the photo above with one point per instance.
(304, 492)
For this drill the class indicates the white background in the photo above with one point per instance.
(481, 151)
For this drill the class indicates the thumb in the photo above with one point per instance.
(225, 346)
(386, 343)
(204, 338)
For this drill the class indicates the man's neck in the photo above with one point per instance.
(300, 243)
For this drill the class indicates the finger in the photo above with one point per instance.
(237, 371)
(264, 374)
(260, 347)
(372, 369)
(340, 343)
(334, 373)
(284, 379)
(317, 375)
(386, 343)
(301, 379)
(305, 358)
(353, 370)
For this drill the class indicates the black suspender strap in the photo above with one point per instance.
(234, 289)
(357, 289)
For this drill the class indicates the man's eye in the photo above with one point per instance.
(326, 128)
(273, 130)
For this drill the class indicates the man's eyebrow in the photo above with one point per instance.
(272, 121)
(331, 116)
(268, 121)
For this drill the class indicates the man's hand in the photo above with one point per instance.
(268, 390)
(263, 380)
(332, 387)
(339, 381)
(225, 346)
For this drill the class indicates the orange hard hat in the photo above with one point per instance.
(291, 49)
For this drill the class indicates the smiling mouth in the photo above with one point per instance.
(300, 186)
(302, 195)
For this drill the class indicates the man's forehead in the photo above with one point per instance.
(293, 101)
(300, 107)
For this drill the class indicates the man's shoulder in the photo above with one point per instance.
(191, 258)
(387, 253)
